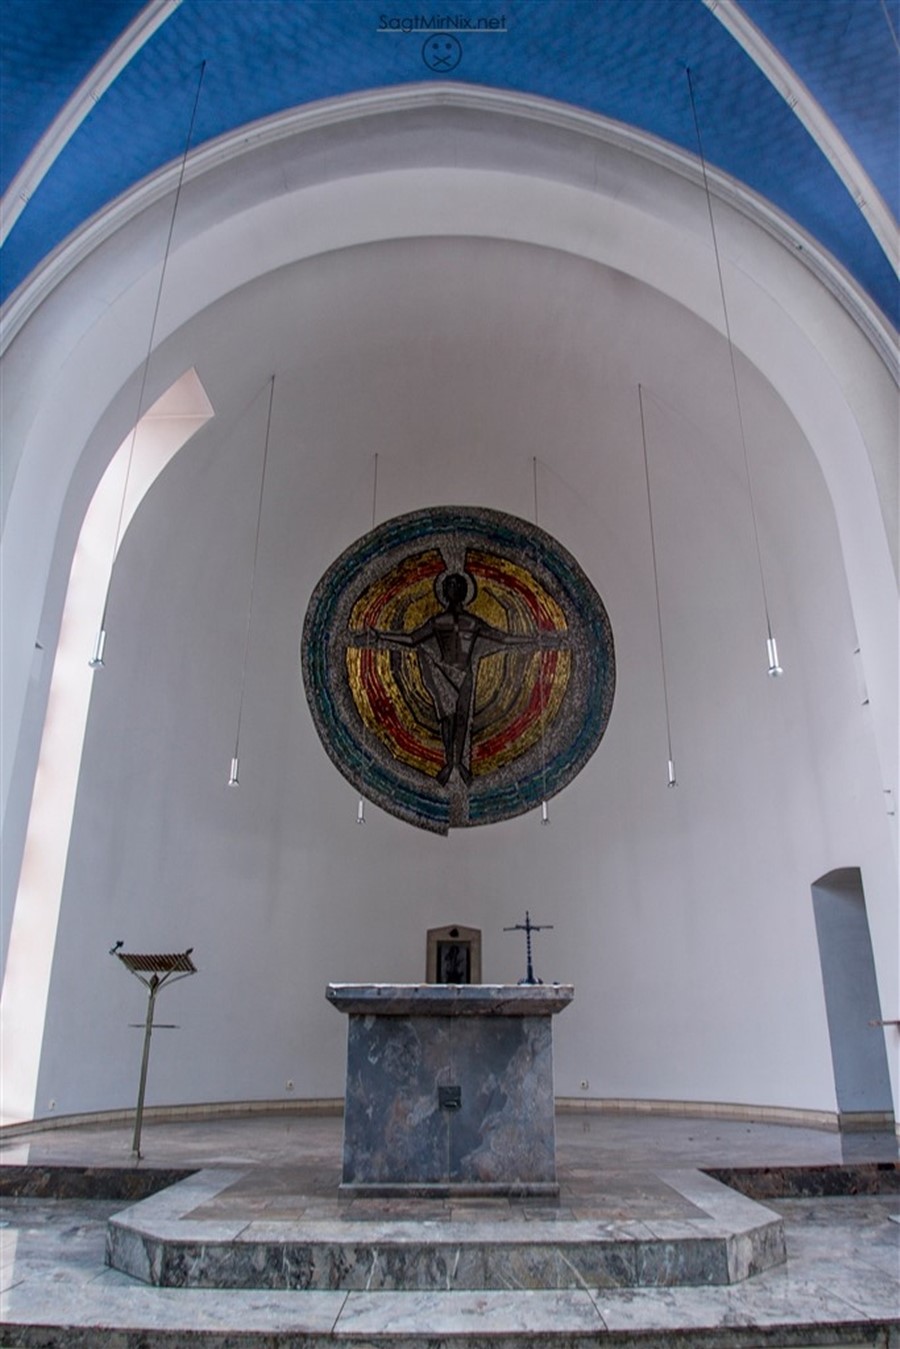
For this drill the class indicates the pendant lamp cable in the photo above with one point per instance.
(772, 651)
(235, 762)
(374, 489)
(662, 653)
(361, 804)
(545, 811)
(97, 659)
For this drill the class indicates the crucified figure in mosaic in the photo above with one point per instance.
(450, 646)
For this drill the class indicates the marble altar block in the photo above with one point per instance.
(449, 1087)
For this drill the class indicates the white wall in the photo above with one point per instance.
(491, 287)
(683, 917)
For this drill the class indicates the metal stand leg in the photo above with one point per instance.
(145, 1060)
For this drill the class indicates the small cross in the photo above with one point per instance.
(528, 927)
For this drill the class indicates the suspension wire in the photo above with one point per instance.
(734, 377)
(361, 803)
(545, 816)
(262, 486)
(98, 654)
(662, 654)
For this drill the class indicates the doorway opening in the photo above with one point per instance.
(858, 1053)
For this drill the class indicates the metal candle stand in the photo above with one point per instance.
(153, 971)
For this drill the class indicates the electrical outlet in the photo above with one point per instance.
(585, 1084)
(51, 1105)
(289, 1084)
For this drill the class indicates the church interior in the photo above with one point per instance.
(310, 307)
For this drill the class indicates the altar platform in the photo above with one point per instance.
(617, 1174)
(226, 1228)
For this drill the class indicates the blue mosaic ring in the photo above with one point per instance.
(459, 666)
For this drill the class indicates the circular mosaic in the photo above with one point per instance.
(459, 666)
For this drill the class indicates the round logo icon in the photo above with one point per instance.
(441, 52)
(459, 666)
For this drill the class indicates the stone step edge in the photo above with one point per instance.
(547, 1259)
(128, 1322)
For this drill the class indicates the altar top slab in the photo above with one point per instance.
(450, 999)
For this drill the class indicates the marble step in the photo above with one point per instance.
(187, 1237)
(108, 1316)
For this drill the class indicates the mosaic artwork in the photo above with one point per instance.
(459, 666)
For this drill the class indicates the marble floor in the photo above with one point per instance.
(839, 1285)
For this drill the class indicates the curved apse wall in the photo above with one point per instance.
(459, 353)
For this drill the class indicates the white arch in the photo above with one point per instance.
(64, 125)
(784, 79)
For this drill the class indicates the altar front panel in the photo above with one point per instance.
(398, 1128)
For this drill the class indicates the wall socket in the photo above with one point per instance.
(585, 1084)
(289, 1084)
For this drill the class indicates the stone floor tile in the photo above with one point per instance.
(797, 1304)
(433, 1314)
(194, 1310)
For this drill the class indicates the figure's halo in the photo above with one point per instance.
(441, 581)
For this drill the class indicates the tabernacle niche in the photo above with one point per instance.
(454, 955)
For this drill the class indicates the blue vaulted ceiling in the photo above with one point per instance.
(623, 59)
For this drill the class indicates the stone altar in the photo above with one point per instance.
(449, 1088)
